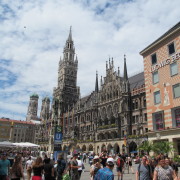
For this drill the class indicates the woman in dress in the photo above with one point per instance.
(17, 169)
(163, 171)
(37, 169)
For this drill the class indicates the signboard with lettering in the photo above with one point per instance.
(161, 64)
(58, 135)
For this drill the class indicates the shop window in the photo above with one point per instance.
(155, 77)
(153, 59)
(171, 48)
(157, 98)
(176, 117)
(158, 119)
(174, 68)
(176, 90)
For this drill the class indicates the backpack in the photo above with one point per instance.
(61, 166)
(120, 162)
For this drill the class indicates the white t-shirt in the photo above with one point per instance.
(29, 163)
(79, 164)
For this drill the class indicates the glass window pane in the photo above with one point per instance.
(174, 69)
(154, 59)
(157, 98)
(159, 121)
(171, 48)
(176, 90)
(177, 117)
(155, 77)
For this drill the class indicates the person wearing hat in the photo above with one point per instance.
(95, 166)
(107, 172)
(74, 168)
(4, 167)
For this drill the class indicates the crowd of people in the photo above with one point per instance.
(71, 166)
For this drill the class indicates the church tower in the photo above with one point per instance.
(45, 109)
(67, 92)
(32, 108)
(126, 96)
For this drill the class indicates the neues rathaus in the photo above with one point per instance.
(112, 118)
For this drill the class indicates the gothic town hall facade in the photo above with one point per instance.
(112, 118)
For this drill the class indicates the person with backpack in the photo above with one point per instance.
(61, 166)
(144, 171)
(120, 166)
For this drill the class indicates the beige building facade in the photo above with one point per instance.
(162, 82)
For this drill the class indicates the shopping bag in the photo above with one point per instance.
(66, 177)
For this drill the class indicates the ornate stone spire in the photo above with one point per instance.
(125, 70)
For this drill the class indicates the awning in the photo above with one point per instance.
(134, 152)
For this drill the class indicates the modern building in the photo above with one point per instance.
(16, 131)
(162, 83)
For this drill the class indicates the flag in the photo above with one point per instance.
(125, 141)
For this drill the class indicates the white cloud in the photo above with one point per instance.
(33, 34)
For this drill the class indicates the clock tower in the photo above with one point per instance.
(67, 92)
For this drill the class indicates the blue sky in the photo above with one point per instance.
(33, 34)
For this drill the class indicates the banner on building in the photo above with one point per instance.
(58, 135)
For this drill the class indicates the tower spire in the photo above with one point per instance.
(96, 85)
(70, 34)
(125, 69)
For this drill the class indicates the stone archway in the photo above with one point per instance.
(116, 149)
(132, 146)
(103, 148)
(90, 147)
(110, 149)
(84, 148)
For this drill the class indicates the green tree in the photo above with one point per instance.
(146, 146)
(163, 147)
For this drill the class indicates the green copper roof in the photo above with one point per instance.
(34, 95)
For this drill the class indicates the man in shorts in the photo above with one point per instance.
(120, 167)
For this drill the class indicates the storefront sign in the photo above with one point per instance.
(165, 62)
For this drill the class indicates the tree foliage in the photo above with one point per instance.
(146, 146)
(163, 147)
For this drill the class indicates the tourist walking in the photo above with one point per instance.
(144, 171)
(163, 171)
(120, 167)
(107, 172)
(81, 166)
(48, 170)
(61, 166)
(74, 168)
(4, 167)
(17, 169)
(96, 166)
(129, 161)
(29, 164)
(84, 157)
(37, 168)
